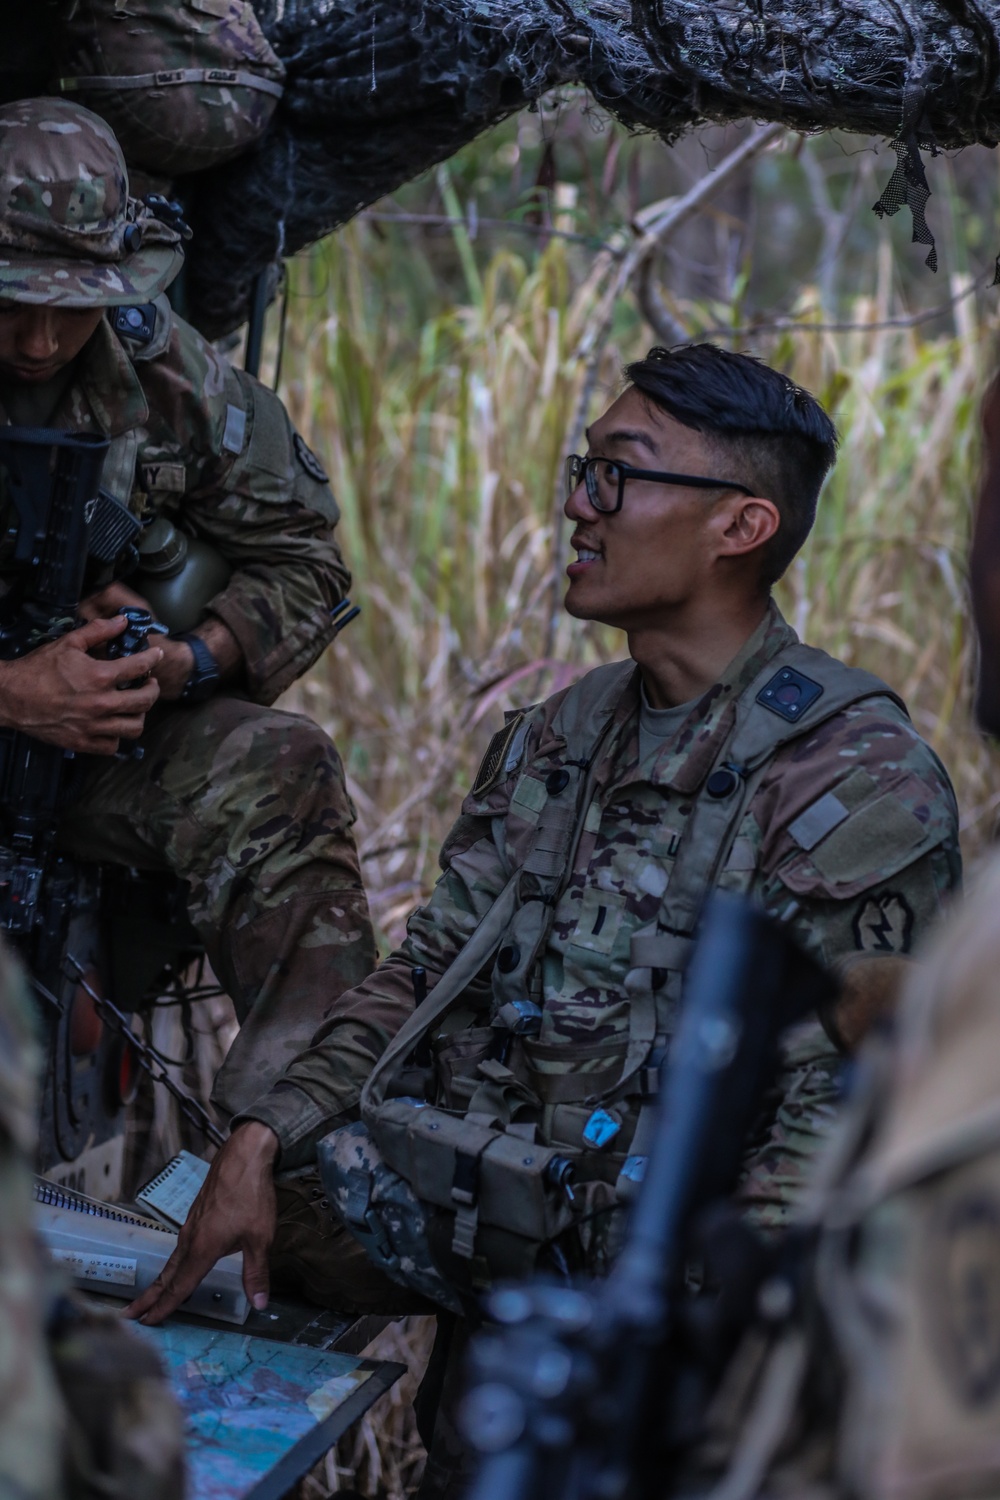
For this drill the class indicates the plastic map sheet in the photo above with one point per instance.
(257, 1413)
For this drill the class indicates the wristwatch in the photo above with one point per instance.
(204, 678)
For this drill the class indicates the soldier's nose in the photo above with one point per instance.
(38, 338)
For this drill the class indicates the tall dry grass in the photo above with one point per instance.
(444, 440)
(443, 416)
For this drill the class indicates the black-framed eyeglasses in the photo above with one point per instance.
(605, 481)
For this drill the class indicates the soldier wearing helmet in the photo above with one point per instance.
(246, 804)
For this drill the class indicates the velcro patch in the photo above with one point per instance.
(817, 821)
(236, 429)
(884, 829)
(502, 755)
(160, 477)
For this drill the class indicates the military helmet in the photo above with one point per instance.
(70, 235)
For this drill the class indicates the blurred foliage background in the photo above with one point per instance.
(443, 352)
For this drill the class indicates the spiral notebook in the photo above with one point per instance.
(110, 1250)
(170, 1194)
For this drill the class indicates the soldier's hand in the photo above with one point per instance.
(62, 695)
(176, 661)
(235, 1210)
(107, 602)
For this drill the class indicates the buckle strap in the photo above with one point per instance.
(465, 1179)
(463, 1240)
(465, 1196)
(168, 77)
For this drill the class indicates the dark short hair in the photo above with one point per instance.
(773, 435)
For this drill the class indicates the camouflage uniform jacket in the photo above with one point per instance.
(206, 444)
(871, 882)
(31, 1415)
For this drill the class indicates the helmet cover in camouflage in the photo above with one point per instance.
(185, 84)
(70, 235)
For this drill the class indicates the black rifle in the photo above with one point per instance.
(576, 1391)
(51, 480)
(64, 535)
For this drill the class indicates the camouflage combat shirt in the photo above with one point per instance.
(873, 883)
(214, 449)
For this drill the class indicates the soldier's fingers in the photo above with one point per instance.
(109, 600)
(95, 633)
(256, 1276)
(115, 703)
(134, 668)
(99, 745)
(144, 1301)
(181, 1275)
(125, 727)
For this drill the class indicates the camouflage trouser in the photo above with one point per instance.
(315, 1255)
(249, 806)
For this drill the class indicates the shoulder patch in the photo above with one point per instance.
(883, 924)
(789, 693)
(502, 755)
(308, 460)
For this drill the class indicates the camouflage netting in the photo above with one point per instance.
(874, 66)
(379, 90)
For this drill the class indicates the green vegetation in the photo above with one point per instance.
(439, 377)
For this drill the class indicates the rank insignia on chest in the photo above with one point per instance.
(789, 694)
(502, 755)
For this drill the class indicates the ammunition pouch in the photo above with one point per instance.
(447, 1206)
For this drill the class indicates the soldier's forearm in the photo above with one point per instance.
(177, 660)
(281, 619)
(224, 647)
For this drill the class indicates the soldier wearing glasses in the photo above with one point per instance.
(723, 754)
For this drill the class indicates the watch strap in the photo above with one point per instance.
(204, 679)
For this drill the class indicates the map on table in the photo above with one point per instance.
(257, 1413)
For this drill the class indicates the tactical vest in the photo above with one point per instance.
(511, 1145)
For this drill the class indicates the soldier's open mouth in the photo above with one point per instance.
(586, 558)
(585, 555)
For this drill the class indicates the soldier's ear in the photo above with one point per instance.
(747, 522)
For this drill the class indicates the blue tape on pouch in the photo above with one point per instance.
(600, 1129)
